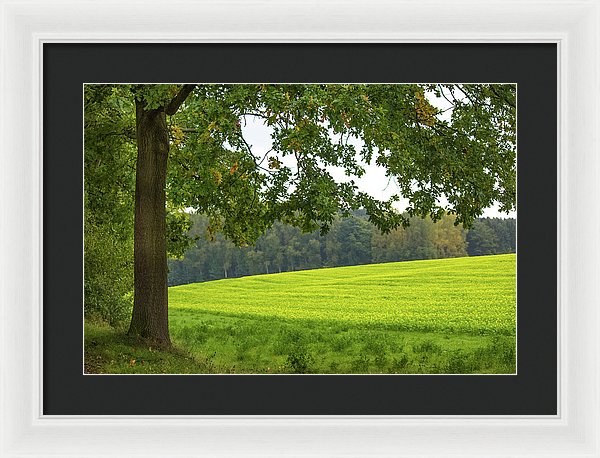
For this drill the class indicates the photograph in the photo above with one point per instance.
(301, 229)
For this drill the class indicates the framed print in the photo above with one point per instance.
(307, 391)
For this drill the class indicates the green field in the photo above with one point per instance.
(436, 316)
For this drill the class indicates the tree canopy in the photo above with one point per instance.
(469, 159)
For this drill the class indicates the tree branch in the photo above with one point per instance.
(176, 102)
(504, 99)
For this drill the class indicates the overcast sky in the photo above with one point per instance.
(374, 182)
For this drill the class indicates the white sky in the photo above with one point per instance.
(374, 182)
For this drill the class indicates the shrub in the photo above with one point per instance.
(108, 276)
(299, 361)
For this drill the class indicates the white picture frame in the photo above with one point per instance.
(573, 24)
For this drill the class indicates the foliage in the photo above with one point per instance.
(108, 200)
(350, 241)
(492, 236)
(469, 158)
(108, 277)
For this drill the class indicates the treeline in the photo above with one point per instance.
(350, 241)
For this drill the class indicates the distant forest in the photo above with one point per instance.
(350, 241)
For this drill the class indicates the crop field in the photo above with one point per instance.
(436, 316)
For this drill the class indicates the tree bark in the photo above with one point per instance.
(150, 309)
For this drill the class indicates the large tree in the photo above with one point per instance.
(191, 153)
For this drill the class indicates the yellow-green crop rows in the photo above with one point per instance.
(427, 317)
(474, 295)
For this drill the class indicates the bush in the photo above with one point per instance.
(299, 361)
(108, 276)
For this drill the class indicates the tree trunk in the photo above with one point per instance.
(150, 309)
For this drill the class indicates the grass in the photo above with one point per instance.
(438, 316)
(111, 351)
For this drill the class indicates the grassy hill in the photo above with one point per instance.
(435, 316)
